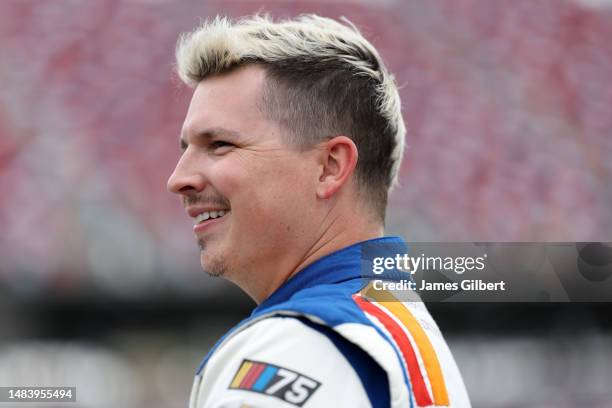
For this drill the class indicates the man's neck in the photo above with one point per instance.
(330, 241)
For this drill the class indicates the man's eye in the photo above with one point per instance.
(220, 144)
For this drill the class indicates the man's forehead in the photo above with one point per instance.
(244, 83)
(235, 95)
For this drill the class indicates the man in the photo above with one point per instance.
(291, 142)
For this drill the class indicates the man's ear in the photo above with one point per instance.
(338, 160)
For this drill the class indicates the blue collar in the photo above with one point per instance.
(336, 267)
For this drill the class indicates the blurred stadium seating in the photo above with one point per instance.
(507, 105)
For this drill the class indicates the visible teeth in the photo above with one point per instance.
(202, 217)
(209, 214)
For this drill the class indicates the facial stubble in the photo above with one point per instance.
(215, 267)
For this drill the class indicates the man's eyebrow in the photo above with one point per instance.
(209, 133)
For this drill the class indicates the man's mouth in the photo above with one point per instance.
(207, 215)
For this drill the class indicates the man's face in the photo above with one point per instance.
(250, 193)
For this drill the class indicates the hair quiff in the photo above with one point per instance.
(324, 79)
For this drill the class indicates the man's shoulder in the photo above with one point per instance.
(278, 349)
(282, 335)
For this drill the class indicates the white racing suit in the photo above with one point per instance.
(326, 338)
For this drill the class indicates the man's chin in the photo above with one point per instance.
(215, 267)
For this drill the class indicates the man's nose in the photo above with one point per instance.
(187, 177)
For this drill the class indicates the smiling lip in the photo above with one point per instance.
(203, 226)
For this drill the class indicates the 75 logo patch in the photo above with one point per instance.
(279, 382)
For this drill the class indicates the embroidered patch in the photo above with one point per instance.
(275, 381)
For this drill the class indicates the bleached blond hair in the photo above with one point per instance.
(323, 79)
